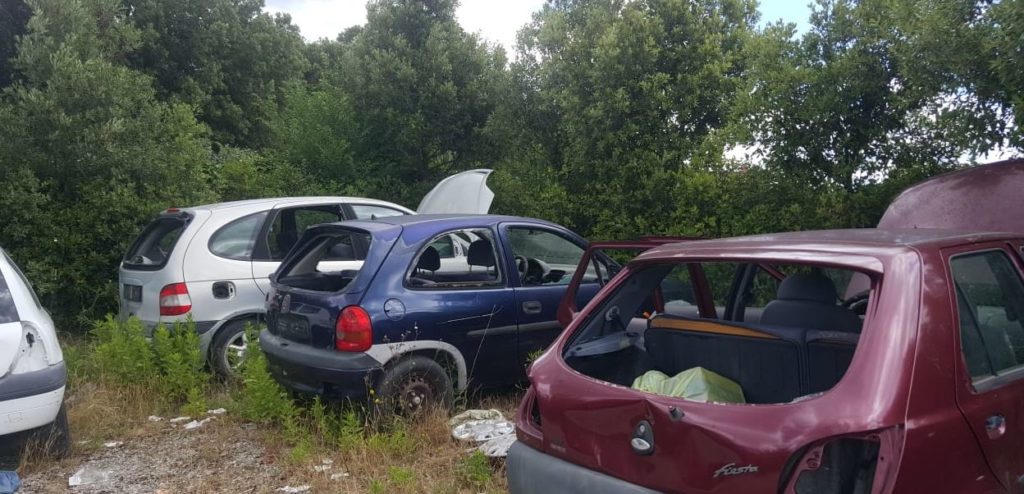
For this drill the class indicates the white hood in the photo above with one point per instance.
(462, 193)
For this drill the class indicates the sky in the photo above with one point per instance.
(495, 20)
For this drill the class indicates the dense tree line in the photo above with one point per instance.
(616, 118)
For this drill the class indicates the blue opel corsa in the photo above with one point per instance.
(414, 308)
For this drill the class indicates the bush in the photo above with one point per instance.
(262, 399)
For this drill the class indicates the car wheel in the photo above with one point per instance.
(412, 386)
(54, 439)
(227, 351)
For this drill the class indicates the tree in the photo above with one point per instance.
(423, 89)
(625, 99)
(14, 15)
(89, 155)
(227, 58)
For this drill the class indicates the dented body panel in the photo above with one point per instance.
(899, 394)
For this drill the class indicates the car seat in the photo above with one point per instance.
(808, 300)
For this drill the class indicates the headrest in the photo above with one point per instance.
(480, 253)
(430, 260)
(810, 287)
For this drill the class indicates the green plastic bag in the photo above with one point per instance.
(694, 384)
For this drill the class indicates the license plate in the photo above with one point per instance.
(133, 293)
(293, 328)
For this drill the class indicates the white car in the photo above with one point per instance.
(32, 372)
(212, 263)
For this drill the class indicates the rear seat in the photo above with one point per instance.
(773, 364)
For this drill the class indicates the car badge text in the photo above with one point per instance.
(732, 469)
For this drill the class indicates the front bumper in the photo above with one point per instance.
(530, 471)
(325, 372)
(31, 399)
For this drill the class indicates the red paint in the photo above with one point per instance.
(902, 387)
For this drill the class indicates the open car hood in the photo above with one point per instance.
(980, 198)
(462, 193)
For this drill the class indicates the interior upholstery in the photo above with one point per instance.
(808, 300)
(481, 253)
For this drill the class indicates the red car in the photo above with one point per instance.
(850, 361)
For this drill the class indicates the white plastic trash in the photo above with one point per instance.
(89, 475)
(483, 430)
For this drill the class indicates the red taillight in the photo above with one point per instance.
(353, 331)
(174, 300)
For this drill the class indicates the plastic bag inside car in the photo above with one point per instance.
(694, 384)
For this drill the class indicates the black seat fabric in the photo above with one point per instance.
(829, 354)
(430, 260)
(480, 253)
(766, 368)
(808, 300)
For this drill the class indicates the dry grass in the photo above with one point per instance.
(229, 455)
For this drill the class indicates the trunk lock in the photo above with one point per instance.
(643, 439)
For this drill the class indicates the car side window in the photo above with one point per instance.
(237, 239)
(990, 306)
(8, 311)
(289, 224)
(545, 258)
(477, 267)
(367, 212)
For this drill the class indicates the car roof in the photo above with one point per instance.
(269, 202)
(854, 243)
(416, 227)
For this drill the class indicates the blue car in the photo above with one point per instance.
(414, 308)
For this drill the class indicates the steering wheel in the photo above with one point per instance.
(536, 272)
(858, 303)
(521, 265)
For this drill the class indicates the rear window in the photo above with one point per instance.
(327, 263)
(756, 333)
(154, 245)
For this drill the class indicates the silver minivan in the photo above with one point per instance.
(212, 263)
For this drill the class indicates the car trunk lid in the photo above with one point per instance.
(307, 293)
(462, 193)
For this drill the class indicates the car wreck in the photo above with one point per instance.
(867, 361)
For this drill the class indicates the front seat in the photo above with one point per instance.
(481, 253)
(808, 301)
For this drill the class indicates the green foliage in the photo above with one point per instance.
(262, 399)
(122, 354)
(183, 377)
(474, 470)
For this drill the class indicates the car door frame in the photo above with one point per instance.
(261, 251)
(530, 332)
(996, 395)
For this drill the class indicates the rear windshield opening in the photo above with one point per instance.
(327, 263)
(726, 332)
(154, 245)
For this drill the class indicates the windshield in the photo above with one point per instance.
(154, 245)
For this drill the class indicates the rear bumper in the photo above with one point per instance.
(530, 471)
(324, 372)
(31, 399)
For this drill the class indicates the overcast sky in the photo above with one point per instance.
(496, 20)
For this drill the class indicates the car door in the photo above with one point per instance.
(464, 301)
(283, 228)
(542, 261)
(989, 297)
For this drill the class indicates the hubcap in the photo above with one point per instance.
(235, 350)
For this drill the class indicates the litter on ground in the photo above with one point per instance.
(89, 475)
(9, 482)
(154, 418)
(489, 428)
(113, 444)
(195, 424)
(216, 411)
(294, 490)
(178, 420)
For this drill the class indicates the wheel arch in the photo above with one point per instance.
(445, 354)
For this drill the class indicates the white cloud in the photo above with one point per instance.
(497, 21)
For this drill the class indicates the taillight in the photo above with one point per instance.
(174, 300)
(353, 331)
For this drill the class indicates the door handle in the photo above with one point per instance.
(995, 426)
(532, 307)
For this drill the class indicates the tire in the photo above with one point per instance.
(227, 350)
(412, 386)
(54, 439)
